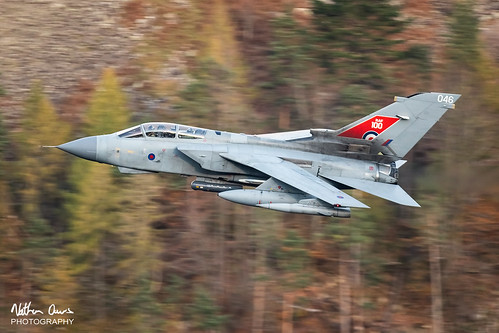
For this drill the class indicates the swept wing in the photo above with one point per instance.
(296, 177)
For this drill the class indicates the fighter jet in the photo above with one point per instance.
(302, 171)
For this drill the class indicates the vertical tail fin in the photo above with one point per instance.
(396, 128)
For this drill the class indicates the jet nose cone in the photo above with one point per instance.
(85, 148)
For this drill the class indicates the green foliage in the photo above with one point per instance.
(290, 62)
(463, 45)
(358, 230)
(199, 100)
(144, 310)
(354, 101)
(354, 35)
(290, 56)
(293, 259)
(364, 238)
(352, 95)
(39, 239)
(345, 47)
(2, 89)
(204, 312)
(175, 289)
(419, 56)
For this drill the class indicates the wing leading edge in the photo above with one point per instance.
(296, 177)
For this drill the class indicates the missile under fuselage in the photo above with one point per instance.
(199, 185)
(284, 202)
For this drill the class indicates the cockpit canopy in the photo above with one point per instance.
(163, 130)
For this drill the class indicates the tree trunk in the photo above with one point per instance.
(358, 289)
(436, 276)
(284, 119)
(287, 312)
(345, 293)
(260, 271)
(258, 300)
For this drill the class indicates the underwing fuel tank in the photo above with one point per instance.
(311, 210)
(284, 202)
(199, 185)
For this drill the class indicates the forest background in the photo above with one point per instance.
(145, 253)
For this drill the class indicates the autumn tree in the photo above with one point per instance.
(39, 171)
(11, 237)
(37, 182)
(94, 247)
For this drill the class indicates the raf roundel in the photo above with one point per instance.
(151, 157)
(370, 135)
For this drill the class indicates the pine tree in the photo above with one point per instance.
(342, 52)
(204, 313)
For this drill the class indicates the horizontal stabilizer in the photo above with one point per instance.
(389, 192)
(399, 163)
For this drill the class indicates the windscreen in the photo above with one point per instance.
(135, 132)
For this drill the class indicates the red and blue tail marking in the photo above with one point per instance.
(370, 128)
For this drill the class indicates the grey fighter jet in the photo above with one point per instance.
(298, 172)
